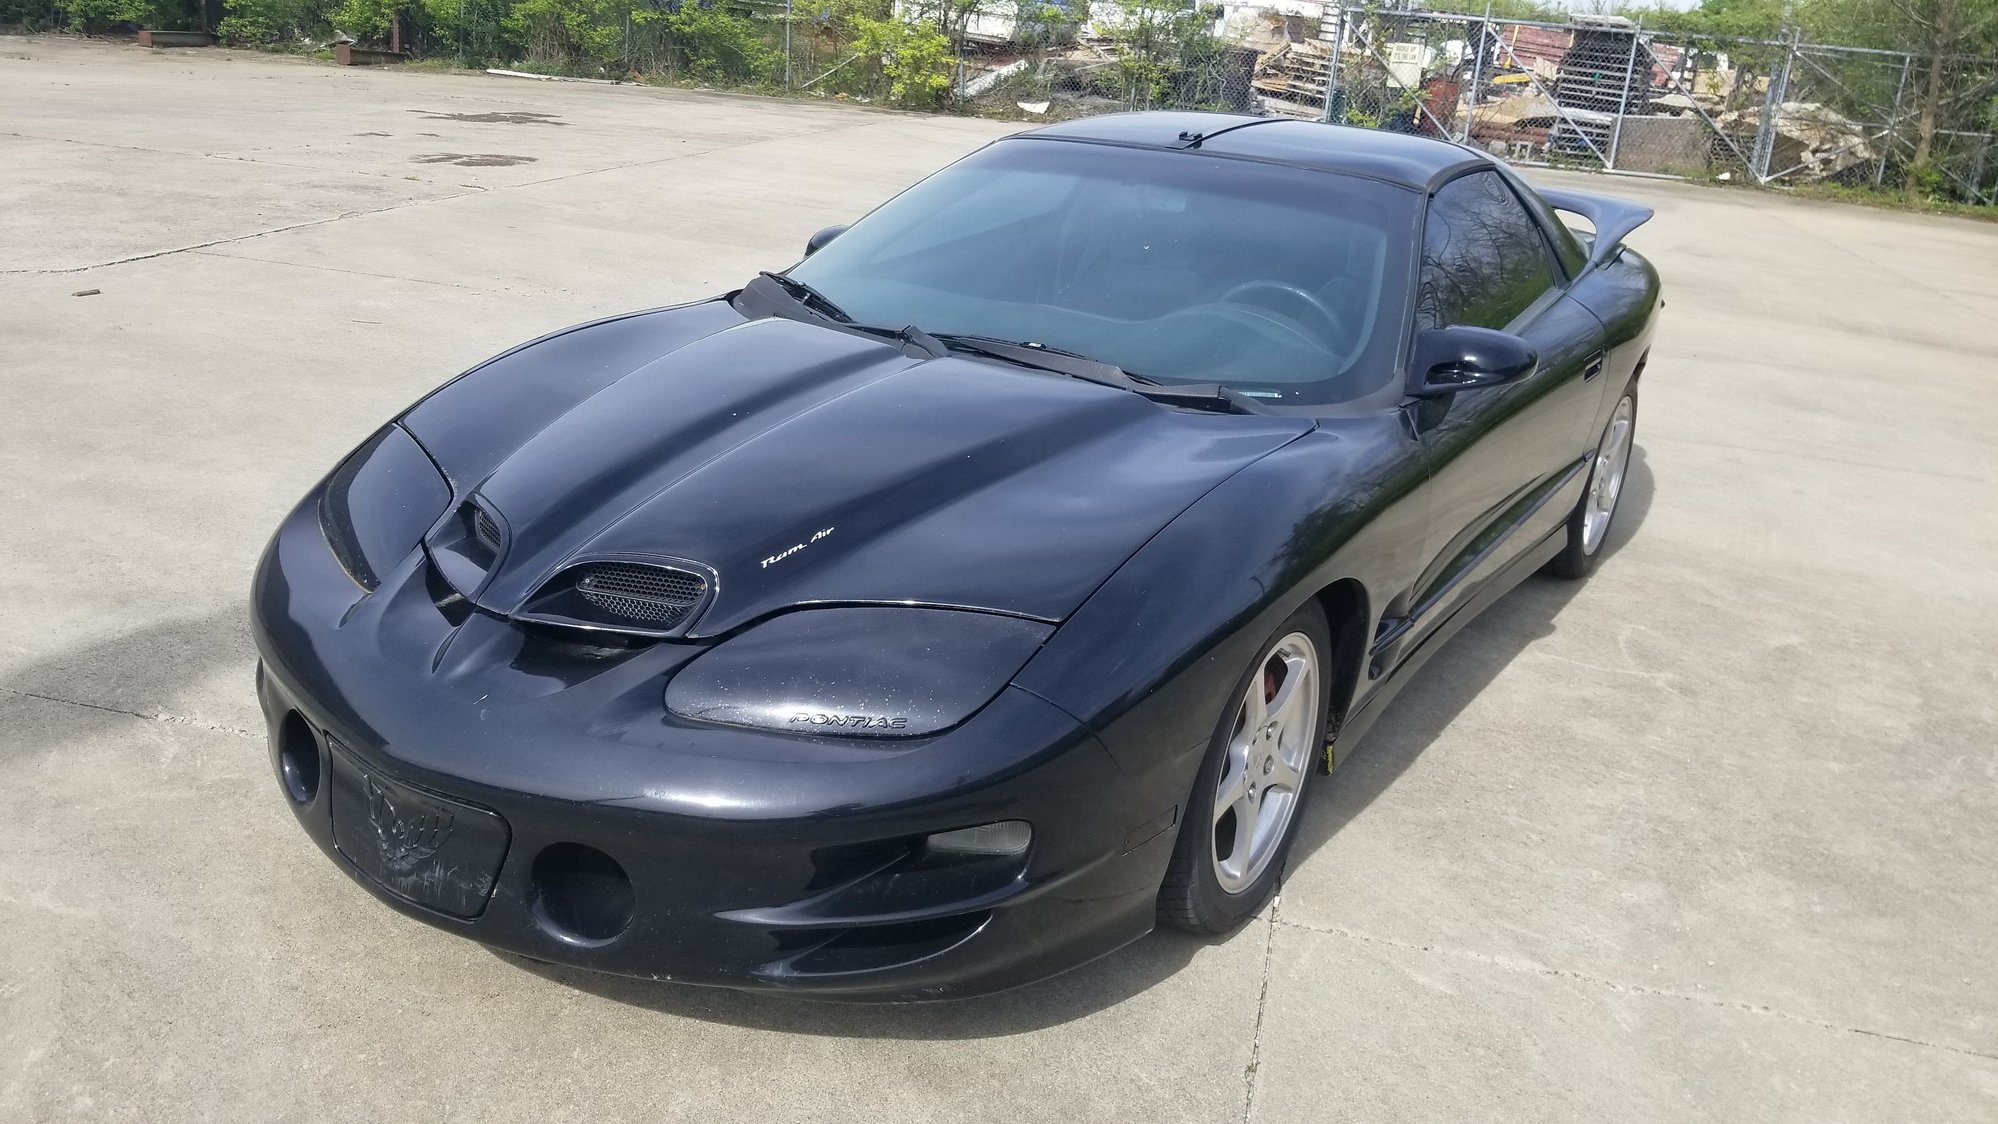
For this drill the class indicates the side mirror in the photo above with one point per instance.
(1459, 357)
(818, 241)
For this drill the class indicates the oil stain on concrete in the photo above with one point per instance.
(474, 159)
(521, 117)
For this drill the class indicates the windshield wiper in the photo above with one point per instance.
(1206, 396)
(1203, 396)
(809, 297)
(801, 301)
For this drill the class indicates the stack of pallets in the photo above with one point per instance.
(1291, 79)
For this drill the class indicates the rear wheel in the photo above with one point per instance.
(1242, 817)
(1588, 527)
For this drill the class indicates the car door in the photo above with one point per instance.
(1507, 463)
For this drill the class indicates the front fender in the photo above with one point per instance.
(1149, 659)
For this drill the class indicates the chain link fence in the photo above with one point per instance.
(1594, 92)
(1602, 93)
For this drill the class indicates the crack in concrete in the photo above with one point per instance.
(1255, 1065)
(233, 238)
(169, 719)
(350, 272)
(1626, 988)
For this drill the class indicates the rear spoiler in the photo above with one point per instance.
(1613, 218)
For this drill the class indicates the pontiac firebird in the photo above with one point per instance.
(990, 587)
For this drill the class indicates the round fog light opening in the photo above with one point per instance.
(581, 895)
(1007, 837)
(298, 758)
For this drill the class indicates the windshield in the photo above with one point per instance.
(1283, 283)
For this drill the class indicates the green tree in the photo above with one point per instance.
(1161, 39)
(1954, 73)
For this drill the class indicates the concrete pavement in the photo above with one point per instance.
(1710, 836)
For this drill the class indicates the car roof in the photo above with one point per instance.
(1415, 162)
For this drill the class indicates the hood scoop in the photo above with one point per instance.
(636, 598)
(467, 546)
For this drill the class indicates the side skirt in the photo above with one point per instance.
(1362, 719)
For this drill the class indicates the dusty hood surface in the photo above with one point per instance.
(804, 464)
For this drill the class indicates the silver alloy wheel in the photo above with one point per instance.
(1267, 755)
(1606, 481)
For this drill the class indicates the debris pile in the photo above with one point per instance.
(1600, 91)
(1813, 141)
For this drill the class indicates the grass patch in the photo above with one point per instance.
(1893, 201)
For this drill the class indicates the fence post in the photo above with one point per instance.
(1471, 98)
(1977, 172)
(1623, 95)
(787, 44)
(1893, 133)
(1772, 105)
(1335, 98)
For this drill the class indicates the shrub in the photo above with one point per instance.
(720, 47)
(567, 32)
(103, 15)
(915, 59)
(245, 31)
(262, 23)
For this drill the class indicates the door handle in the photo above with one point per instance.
(1594, 366)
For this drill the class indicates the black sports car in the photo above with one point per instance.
(985, 590)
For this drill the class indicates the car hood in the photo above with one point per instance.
(803, 464)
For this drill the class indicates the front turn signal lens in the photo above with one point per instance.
(1007, 837)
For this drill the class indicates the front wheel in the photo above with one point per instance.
(1588, 527)
(1242, 817)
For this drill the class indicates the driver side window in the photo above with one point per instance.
(1483, 259)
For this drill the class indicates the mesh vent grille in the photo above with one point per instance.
(487, 530)
(660, 596)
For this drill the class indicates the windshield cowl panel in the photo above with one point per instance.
(1286, 284)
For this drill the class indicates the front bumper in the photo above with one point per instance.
(478, 777)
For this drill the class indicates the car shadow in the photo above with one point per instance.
(143, 673)
(1466, 665)
(1093, 987)
(1458, 673)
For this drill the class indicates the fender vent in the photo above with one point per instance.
(654, 596)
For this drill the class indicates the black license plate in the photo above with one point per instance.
(436, 852)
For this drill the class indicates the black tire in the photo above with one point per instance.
(1577, 559)
(1192, 897)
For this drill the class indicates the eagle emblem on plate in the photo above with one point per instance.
(407, 833)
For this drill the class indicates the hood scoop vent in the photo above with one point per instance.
(656, 595)
(486, 531)
(467, 546)
(640, 598)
